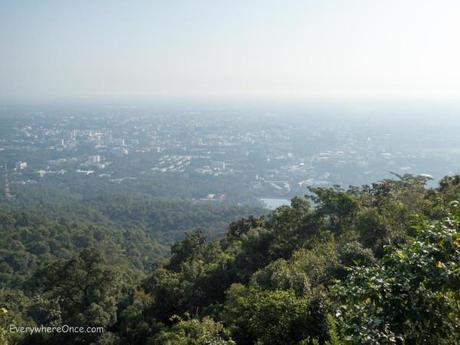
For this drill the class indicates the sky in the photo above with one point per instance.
(225, 49)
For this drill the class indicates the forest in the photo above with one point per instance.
(369, 265)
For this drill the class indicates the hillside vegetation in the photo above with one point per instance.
(127, 231)
(370, 265)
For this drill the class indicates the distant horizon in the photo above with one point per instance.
(56, 51)
(396, 112)
(174, 100)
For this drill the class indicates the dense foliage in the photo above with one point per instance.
(127, 231)
(377, 264)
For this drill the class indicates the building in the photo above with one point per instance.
(21, 165)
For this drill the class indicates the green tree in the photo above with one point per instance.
(273, 317)
(412, 296)
(194, 332)
(86, 291)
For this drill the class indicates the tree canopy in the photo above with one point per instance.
(376, 264)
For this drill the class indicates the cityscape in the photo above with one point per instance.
(230, 172)
(237, 158)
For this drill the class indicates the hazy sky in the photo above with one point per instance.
(79, 49)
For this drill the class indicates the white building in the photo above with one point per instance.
(21, 165)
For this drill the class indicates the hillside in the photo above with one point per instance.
(376, 264)
(128, 231)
